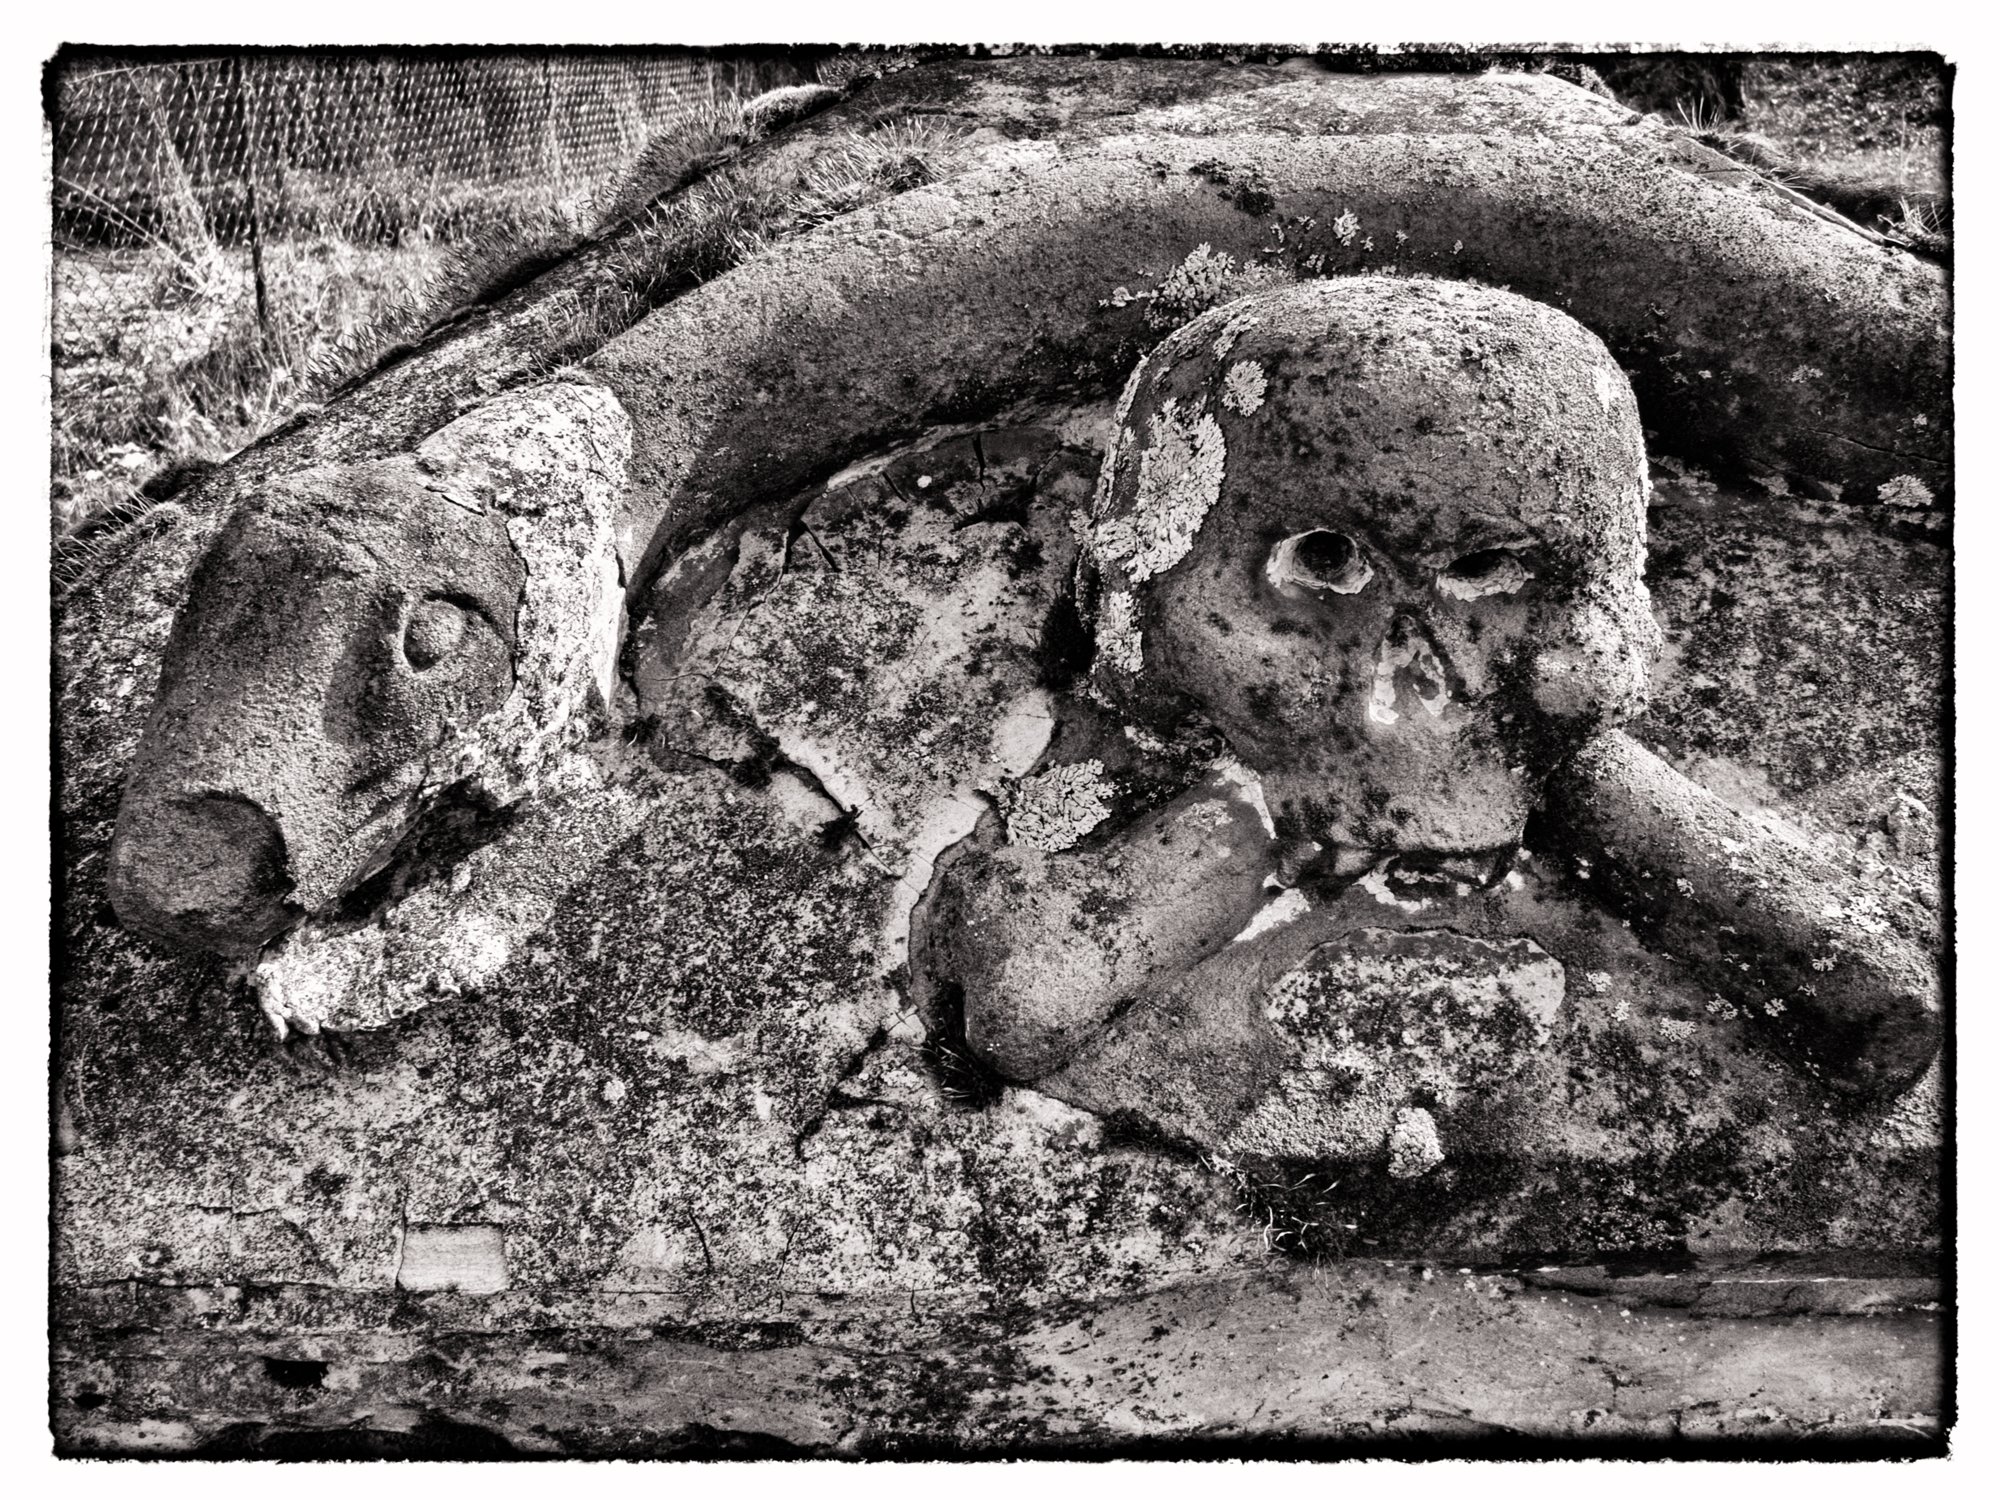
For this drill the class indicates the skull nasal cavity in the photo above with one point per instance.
(1408, 674)
(207, 870)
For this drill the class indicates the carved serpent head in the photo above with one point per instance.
(358, 638)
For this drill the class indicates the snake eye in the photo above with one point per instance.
(435, 630)
(1478, 574)
(1325, 561)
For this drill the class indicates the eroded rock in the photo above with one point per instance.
(683, 1096)
(1407, 581)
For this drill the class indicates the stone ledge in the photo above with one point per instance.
(1340, 1359)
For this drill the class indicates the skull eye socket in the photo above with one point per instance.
(1327, 561)
(1478, 574)
(436, 629)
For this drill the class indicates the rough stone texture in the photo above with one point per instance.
(360, 638)
(971, 292)
(1847, 967)
(743, 1190)
(1041, 949)
(703, 1125)
(1459, 483)
(1273, 1363)
(984, 287)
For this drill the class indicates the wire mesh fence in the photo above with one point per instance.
(221, 223)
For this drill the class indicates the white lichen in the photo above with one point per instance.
(1233, 328)
(1607, 383)
(1676, 1030)
(1118, 643)
(552, 458)
(431, 946)
(1376, 884)
(1346, 227)
(1905, 490)
(1243, 387)
(1191, 288)
(1180, 479)
(1055, 809)
(1080, 529)
(1414, 1147)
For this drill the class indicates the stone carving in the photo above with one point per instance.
(705, 1061)
(358, 639)
(1031, 257)
(1403, 586)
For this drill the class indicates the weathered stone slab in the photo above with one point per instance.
(1269, 1364)
(631, 1127)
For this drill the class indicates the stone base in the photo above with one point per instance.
(1294, 1362)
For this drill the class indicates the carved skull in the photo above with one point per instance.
(1387, 536)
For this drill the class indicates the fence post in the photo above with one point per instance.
(552, 148)
(247, 98)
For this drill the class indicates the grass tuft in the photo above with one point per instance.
(891, 158)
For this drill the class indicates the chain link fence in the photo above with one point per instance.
(222, 225)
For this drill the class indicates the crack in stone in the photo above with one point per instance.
(852, 1069)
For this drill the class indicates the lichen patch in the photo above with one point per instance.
(1057, 808)
(1234, 327)
(1180, 479)
(1383, 1025)
(1191, 288)
(1243, 387)
(1414, 1147)
(552, 457)
(1607, 387)
(1118, 643)
(1906, 490)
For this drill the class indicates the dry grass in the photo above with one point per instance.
(158, 362)
(892, 158)
(1879, 119)
(162, 361)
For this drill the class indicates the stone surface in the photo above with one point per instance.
(648, 1047)
(1417, 584)
(358, 639)
(695, 1086)
(1389, 1360)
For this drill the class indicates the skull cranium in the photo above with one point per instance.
(1387, 536)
